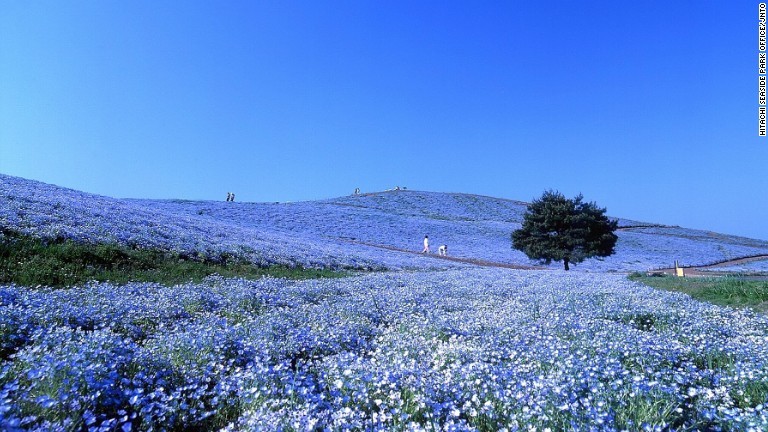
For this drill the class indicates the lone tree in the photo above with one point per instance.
(557, 228)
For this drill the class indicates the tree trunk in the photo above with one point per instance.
(565, 262)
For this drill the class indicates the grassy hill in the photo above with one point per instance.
(351, 232)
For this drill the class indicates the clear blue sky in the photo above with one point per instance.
(647, 108)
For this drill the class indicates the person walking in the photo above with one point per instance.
(426, 245)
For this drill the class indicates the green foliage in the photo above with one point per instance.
(713, 360)
(751, 394)
(654, 409)
(643, 321)
(724, 291)
(29, 261)
(556, 228)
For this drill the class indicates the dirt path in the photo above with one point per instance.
(478, 262)
(689, 270)
(737, 261)
(631, 227)
(698, 270)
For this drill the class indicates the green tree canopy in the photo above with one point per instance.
(556, 228)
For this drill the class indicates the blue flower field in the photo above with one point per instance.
(418, 344)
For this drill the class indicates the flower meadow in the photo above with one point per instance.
(472, 227)
(341, 233)
(461, 350)
(430, 345)
(53, 212)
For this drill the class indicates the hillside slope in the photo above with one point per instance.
(53, 212)
(473, 227)
(364, 231)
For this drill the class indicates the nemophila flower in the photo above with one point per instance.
(461, 349)
(334, 233)
(52, 212)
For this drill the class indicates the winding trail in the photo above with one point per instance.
(632, 227)
(693, 270)
(477, 262)
(697, 270)
(736, 261)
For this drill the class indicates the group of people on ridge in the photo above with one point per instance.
(230, 196)
(442, 250)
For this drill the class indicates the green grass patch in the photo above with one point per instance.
(724, 291)
(29, 261)
(750, 394)
(633, 409)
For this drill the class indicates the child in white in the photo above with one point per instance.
(426, 245)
